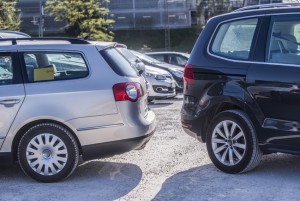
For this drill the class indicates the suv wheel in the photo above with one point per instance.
(231, 142)
(48, 152)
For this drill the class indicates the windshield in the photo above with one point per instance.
(145, 57)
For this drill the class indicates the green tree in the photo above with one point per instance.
(8, 15)
(84, 17)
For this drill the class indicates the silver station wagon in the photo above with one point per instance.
(61, 99)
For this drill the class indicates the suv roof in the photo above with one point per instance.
(268, 6)
(267, 9)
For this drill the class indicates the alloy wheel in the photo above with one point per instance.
(228, 143)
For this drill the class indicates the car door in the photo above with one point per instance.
(11, 91)
(275, 83)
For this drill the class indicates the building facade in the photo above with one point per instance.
(152, 14)
(128, 15)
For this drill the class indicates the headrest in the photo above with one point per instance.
(289, 42)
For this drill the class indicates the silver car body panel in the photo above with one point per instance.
(11, 99)
(86, 106)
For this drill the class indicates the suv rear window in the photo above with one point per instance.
(118, 63)
(233, 39)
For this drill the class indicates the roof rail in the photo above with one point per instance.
(71, 40)
(271, 5)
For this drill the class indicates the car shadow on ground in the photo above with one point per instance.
(93, 180)
(165, 102)
(160, 103)
(276, 178)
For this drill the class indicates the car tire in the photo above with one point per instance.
(48, 152)
(232, 143)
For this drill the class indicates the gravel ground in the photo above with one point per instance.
(173, 166)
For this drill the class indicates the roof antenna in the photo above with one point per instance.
(87, 37)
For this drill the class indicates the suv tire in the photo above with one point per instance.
(48, 152)
(232, 143)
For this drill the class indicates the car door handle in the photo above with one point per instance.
(9, 102)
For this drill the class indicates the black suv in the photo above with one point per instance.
(242, 86)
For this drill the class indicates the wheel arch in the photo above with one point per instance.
(24, 128)
(217, 108)
(231, 103)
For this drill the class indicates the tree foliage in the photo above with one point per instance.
(8, 15)
(84, 17)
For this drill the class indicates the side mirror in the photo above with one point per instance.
(140, 66)
(141, 72)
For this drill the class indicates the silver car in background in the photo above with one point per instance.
(174, 58)
(62, 99)
(13, 34)
(161, 84)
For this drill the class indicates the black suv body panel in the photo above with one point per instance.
(268, 93)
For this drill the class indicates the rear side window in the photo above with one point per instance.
(118, 63)
(6, 69)
(234, 39)
(44, 66)
(284, 38)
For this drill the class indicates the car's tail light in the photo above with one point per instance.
(188, 74)
(128, 91)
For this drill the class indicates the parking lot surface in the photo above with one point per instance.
(173, 166)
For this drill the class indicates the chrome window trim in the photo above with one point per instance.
(246, 61)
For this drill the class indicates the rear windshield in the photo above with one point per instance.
(118, 63)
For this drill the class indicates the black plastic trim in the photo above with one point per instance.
(6, 158)
(108, 149)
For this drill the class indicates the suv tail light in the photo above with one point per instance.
(188, 74)
(131, 91)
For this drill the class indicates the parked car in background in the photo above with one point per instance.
(13, 34)
(161, 84)
(175, 71)
(65, 98)
(174, 58)
(241, 86)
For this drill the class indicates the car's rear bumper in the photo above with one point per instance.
(6, 158)
(194, 124)
(131, 132)
(108, 149)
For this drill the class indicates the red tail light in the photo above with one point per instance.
(188, 74)
(131, 91)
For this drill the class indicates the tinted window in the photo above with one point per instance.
(41, 66)
(284, 39)
(118, 63)
(234, 39)
(6, 69)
